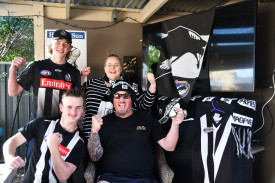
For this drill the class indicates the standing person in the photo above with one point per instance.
(97, 92)
(58, 147)
(122, 141)
(49, 79)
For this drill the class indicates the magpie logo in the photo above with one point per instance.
(242, 120)
(247, 103)
(68, 77)
(143, 128)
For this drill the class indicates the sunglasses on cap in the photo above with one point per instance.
(125, 96)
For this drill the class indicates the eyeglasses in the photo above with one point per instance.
(125, 96)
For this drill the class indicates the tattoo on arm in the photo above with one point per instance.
(94, 147)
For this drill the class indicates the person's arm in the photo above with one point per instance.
(170, 141)
(14, 88)
(84, 73)
(145, 100)
(62, 169)
(9, 149)
(94, 146)
(153, 86)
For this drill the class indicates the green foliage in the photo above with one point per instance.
(16, 38)
(2, 77)
(153, 55)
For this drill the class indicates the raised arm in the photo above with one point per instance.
(170, 141)
(14, 88)
(9, 149)
(153, 86)
(62, 169)
(84, 73)
(94, 146)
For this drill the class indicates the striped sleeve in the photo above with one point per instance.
(144, 101)
(95, 90)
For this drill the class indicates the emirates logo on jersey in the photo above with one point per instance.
(63, 150)
(52, 83)
(45, 73)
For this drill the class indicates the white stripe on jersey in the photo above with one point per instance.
(43, 148)
(204, 149)
(220, 149)
(218, 153)
(55, 102)
(72, 143)
(40, 102)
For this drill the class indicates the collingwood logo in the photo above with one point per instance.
(242, 120)
(68, 77)
(141, 128)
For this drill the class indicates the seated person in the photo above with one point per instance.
(122, 141)
(97, 91)
(58, 147)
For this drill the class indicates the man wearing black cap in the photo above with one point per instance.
(122, 141)
(49, 78)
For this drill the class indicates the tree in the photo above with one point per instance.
(16, 38)
(154, 54)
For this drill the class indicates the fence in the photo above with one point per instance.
(8, 109)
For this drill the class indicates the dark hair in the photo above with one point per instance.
(74, 92)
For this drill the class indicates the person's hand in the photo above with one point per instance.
(54, 139)
(85, 71)
(178, 118)
(97, 122)
(14, 162)
(151, 78)
(153, 86)
(17, 63)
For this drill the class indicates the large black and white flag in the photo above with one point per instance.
(184, 42)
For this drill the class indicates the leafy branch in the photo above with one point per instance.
(2, 77)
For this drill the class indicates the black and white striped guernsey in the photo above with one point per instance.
(71, 149)
(98, 102)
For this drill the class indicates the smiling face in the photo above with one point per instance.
(71, 108)
(123, 106)
(60, 48)
(113, 68)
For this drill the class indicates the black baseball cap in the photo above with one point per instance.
(62, 34)
(123, 86)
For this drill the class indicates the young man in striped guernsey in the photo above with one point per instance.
(58, 147)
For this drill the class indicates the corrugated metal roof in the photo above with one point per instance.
(190, 6)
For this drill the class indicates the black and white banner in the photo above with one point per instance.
(184, 42)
